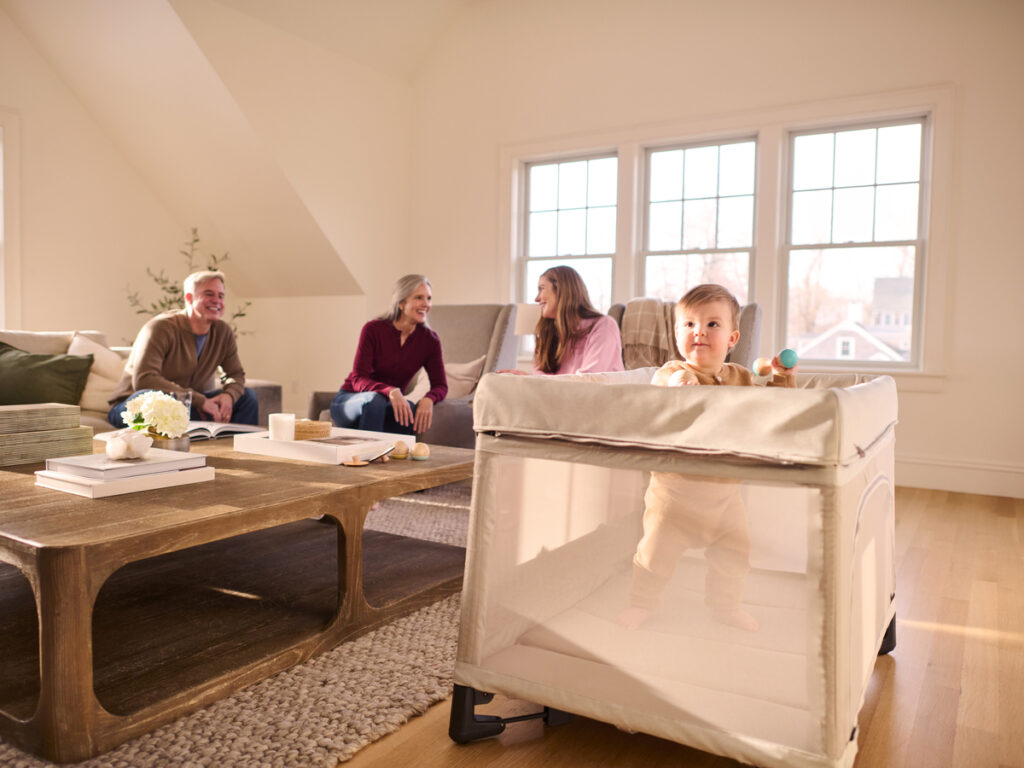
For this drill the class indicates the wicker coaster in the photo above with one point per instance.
(306, 429)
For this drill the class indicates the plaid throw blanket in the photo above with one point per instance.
(648, 333)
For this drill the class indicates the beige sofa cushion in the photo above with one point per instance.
(462, 379)
(107, 367)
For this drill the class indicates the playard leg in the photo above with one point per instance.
(888, 639)
(465, 725)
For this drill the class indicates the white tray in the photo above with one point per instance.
(367, 445)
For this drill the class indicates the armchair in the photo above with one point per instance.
(468, 332)
(648, 333)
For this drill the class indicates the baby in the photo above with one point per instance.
(687, 511)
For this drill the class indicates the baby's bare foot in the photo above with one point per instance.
(738, 618)
(633, 617)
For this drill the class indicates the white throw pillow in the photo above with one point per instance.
(97, 393)
(105, 362)
(462, 379)
(107, 367)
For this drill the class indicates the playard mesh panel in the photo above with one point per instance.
(804, 550)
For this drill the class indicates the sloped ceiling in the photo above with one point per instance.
(391, 36)
(137, 68)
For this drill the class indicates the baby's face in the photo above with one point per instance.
(705, 334)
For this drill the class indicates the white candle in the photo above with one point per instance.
(282, 426)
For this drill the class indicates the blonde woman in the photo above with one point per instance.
(392, 348)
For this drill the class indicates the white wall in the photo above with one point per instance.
(335, 133)
(520, 71)
(340, 133)
(89, 223)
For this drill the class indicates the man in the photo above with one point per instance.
(178, 352)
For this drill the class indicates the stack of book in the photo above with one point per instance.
(30, 433)
(96, 475)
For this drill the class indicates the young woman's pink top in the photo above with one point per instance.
(599, 351)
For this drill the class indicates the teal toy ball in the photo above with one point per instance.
(788, 358)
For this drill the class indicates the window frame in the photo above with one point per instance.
(523, 293)
(772, 127)
(10, 219)
(920, 244)
(645, 252)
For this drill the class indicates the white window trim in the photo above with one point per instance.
(10, 236)
(772, 126)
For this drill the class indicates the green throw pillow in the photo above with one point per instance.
(30, 377)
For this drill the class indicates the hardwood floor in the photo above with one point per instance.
(951, 694)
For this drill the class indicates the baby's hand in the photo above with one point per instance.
(680, 379)
(778, 367)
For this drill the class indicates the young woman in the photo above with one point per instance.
(391, 349)
(571, 336)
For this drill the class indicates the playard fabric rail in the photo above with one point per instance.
(827, 421)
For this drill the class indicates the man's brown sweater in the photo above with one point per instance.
(163, 357)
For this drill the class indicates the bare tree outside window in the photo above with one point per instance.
(700, 218)
(572, 208)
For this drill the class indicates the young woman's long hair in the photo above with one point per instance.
(554, 337)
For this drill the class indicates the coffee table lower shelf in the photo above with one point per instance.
(180, 626)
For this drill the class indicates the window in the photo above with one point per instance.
(819, 212)
(844, 347)
(572, 221)
(700, 218)
(854, 242)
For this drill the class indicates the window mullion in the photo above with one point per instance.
(627, 230)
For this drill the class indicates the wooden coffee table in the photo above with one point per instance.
(134, 631)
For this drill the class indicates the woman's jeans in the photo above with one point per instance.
(366, 410)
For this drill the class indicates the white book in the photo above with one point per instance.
(102, 467)
(93, 488)
(341, 446)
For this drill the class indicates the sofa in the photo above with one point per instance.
(61, 373)
(475, 339)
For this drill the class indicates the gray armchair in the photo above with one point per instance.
(467, 332)
(655, 344)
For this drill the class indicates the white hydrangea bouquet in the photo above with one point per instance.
(158, 414)
(153, 415)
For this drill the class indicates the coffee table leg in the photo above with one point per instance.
(68, 708)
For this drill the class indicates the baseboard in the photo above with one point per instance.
(961, 476)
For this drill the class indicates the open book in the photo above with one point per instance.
(207, 430)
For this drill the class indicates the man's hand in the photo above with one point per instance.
(424, 415)
(401, 407)
(219, 407)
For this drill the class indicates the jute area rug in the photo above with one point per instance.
(324, 711)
